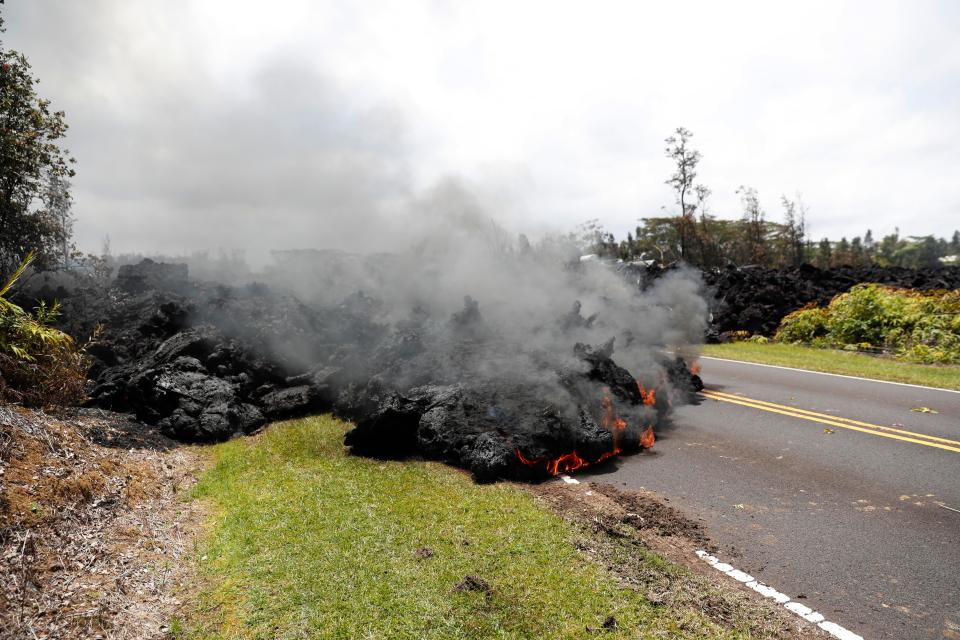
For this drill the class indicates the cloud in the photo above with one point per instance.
(215, 123)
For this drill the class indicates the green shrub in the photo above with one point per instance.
(804, 325)
(866, 313)
(916, 326)
(39, 365)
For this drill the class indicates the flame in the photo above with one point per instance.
(611, 421)
(647, 397)
(566, 463)
(609, 454)
(527, 461)
(647, 438)
(695, 368)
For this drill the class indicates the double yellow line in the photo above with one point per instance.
(835, 421)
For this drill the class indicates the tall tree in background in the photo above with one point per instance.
(857, 254)
(755, 229)
(824, 254)
(34, 170)
(869, 247)
(890, 245)
(685, 160)
(794, 231)
(841, 254)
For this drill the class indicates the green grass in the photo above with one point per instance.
(307, 542)
(843, 362)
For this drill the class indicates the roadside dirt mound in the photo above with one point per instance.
(92, 533)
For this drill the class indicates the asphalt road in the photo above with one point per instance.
(851, 516)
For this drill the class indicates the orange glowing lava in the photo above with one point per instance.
(612, 422)
(566, 463)
(527, 461)
(647, 438)
(647, 397)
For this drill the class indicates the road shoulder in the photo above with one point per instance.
(652, 547)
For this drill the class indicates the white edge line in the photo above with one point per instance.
(824, 373)
(802, 610)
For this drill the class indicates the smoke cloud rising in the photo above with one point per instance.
(318, 182)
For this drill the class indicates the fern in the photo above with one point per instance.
(39, 364)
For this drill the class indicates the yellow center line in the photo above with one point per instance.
(834, 423)
(827, 416)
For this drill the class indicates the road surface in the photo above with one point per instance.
(840, 491)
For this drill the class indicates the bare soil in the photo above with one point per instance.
(94, 527)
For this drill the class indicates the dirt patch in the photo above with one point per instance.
(630, 532)
(93, 525)
(472, 583)
(644, 511)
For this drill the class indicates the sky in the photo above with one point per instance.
(207, 124)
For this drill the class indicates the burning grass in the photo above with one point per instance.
(842, 362)
(308, 541)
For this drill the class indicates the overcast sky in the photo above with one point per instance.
(216, 123)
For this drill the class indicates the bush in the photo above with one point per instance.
(39, 365)
(916, 326)
(866, 313)
(804, 325)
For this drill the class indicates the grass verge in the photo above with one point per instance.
(842, 362)
(308, 542)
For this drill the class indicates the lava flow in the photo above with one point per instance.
(613, 423)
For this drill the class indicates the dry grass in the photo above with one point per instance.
(91, 526)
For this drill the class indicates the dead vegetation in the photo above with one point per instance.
(92, 525)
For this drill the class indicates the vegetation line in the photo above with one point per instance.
(842, 362)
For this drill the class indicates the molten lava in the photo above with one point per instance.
(566, 463)
(648, 398)
(647, 438)
(612, 422)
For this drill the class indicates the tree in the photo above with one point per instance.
(708, 242)
(792, 235)
(685, 159)
(824, 254)
(955, 243)
(754, 226)
(34, 170)
(57, 198)
(857, 252)
(927, 252)
(869, 247)
(889, 246)
(842, 254)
